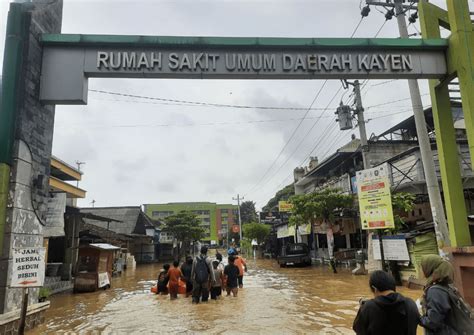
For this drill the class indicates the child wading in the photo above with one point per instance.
(216, 289)
(163, 280)
(174, 274)
(231, 273)
(242, 265)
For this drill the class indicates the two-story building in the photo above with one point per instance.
(60, 230)
(396, 147)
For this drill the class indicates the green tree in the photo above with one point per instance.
(282, 195)
(257, 231)
(320, 207)
(248, 213)
(185, 227)
(402, 203)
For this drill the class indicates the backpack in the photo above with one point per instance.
(461, 317)
(202, 270)
(162, 278)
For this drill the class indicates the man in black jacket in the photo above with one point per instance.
(389, 312)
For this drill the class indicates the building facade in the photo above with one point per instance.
(216, 219)
(131, 222)
(398, 150)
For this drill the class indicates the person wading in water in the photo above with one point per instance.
(444, 310)
(389, 313)
(202, 275)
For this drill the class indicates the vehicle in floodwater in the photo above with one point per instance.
(295, 254)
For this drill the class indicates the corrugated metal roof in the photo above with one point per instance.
(104, 246)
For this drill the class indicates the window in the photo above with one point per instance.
(201, 212)
(296, 249)
(161, 214)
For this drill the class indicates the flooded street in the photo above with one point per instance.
(273, 301)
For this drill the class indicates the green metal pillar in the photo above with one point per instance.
(9, 102)
(461, 60)
(432, 17)
(448, 155)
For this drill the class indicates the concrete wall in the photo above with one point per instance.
(29, 177)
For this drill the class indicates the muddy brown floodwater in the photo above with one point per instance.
(273, 301)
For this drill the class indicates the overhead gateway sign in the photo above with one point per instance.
(69, 60)
(249, 63)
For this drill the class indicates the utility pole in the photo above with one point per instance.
(238, 211)
(78, 163)
(434, 195)
(365, 153)
(432, 185)
(359, 111)
(227, 232)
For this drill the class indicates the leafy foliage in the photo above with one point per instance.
(282, 195)
(185, 226)
(320, 206)
(248, 213)
(402, 203)
(256, 231)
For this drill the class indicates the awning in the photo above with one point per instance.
(285, 231)
(104, 246)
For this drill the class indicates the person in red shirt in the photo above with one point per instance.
(174, 274)
(242, 265)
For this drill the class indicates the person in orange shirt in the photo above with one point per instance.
(174, 274)
(242, 265)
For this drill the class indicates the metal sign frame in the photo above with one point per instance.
(69, 60)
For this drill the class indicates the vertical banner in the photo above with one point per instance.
(375, 202)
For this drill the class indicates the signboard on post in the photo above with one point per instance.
(375, 202)
(394, 248)
(28, 267)
(285, 206)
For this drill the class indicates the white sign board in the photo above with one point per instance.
(394, 248)
(103, 279)
(54, 223)
(28, 267)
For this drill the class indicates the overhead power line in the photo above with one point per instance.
(363, 86)
(304, 137)
(152, 100)
(195, 103)
(289, 140)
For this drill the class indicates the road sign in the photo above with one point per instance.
(375, 202)
(235, 229)
(28, 267)
(285, 206)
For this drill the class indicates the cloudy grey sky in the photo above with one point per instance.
(140, 152)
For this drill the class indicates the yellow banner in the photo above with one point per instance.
(285, 206)
(375, 202)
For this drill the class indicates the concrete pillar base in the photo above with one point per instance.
(463, 262)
